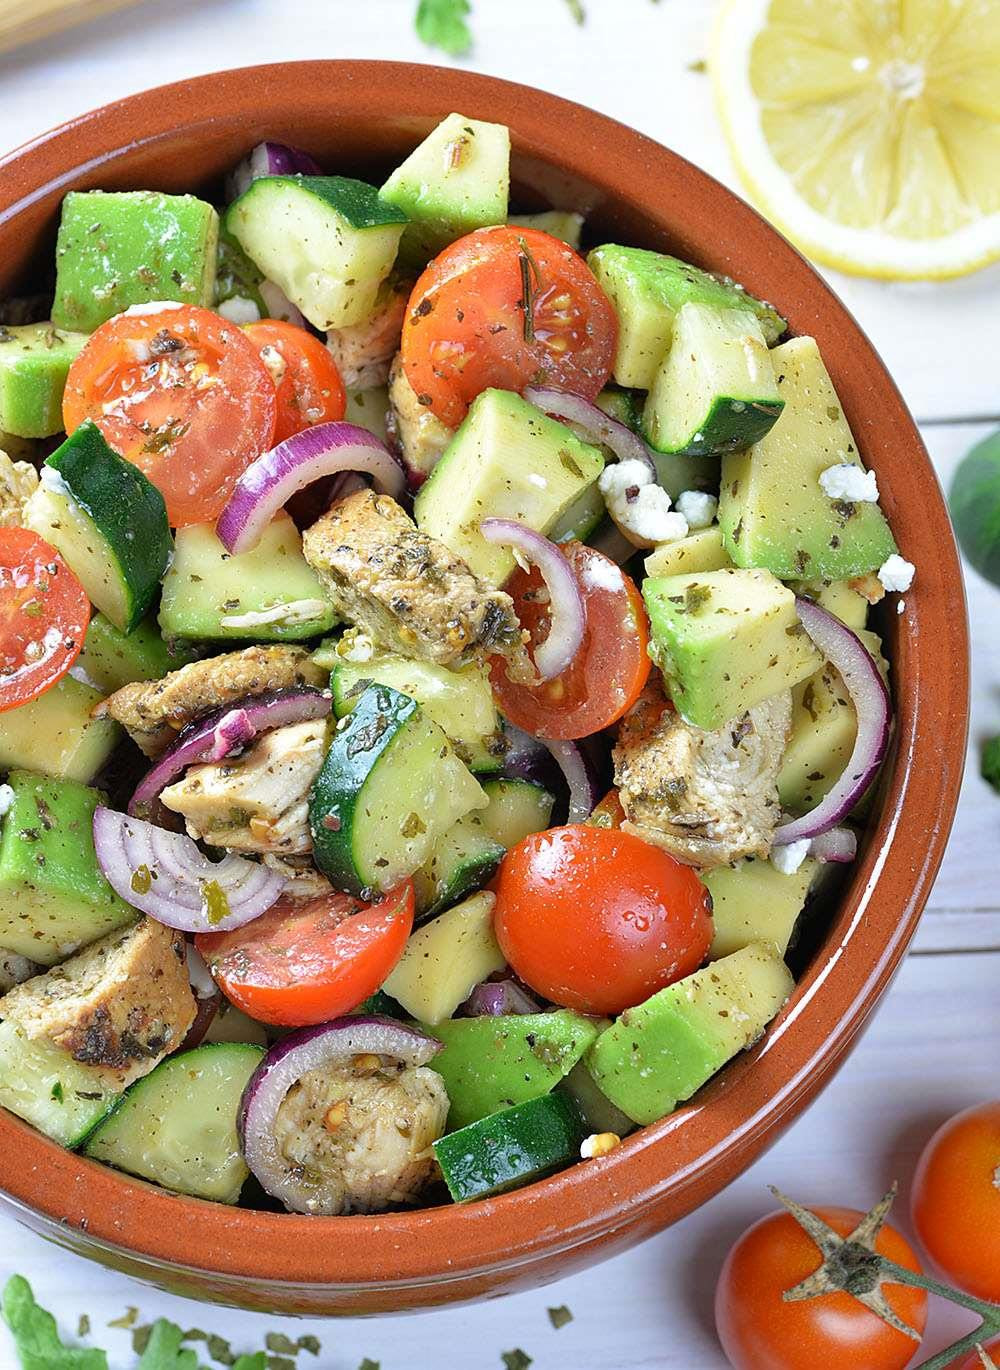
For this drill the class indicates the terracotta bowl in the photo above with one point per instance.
(362, 117)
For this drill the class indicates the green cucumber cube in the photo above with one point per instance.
(34, 361)
(511, 1148)
(56, 735)
(111, 658)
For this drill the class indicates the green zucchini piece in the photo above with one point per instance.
(236, 277)
(455, 181)
(974, 500)
(516, 809)
(328, 241)
(42, 1084)
(107, 520)
(598, 1112)
(56, 735)
(381, 1005)
(522, 1144)
(459, 702)
(623, 405)
(177, 1125)
(564, 224)
(269, 594)
(120, 248)
(111, 658)
(492, 1063)
(463, 860)
(390, 786)
(647, 290)
(581, 518)
(34, 361)
(716, 391)
(53, 894)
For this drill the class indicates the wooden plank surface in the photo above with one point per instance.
(924, 1056)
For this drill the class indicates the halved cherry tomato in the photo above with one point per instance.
(611, 667)
(506, 307)
(44, 613)
(305, 961)
(598, 920)
(956, 1200)
(181, 393)
(306, 378)
(759, 1330)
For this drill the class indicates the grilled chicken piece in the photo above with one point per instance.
(257, 802)
(420, 436)
(18, 482)
(153, 712)
(119, 1006)
(364, 1134)
(302, 879)
(364, 351)
(406, 590)
(708, 798)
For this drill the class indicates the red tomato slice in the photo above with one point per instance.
(306, 378)
(598, 920)
(44, 613)
(183, 395)
(306, 961)
(610, 669)
(506, 307)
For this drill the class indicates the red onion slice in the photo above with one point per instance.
(269, 159)
(584, 789)
(323, 450)
(222, 732)
(567, 618)
(870, 697)
(165, 875)
(314, 1048)
(836, 844)
(597, 427)
(497, 998)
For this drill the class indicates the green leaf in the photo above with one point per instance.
(441, 24)
(310, 1343)
(277, 1341)
(990, 762)
(367, 1364)
(560, 1316)
(258, 1361)
(163, 1350)
(36, 1337)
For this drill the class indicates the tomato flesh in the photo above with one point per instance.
(181, 393)
(973, 1360)
(609, 671)
(307, 383)
(598, 920)
(760, 1331)
(306, 961)
(506, 307)
(44, 612)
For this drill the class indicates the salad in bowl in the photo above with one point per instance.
(435, 681)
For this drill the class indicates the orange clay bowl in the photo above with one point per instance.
(361, 118)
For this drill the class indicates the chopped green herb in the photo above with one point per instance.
(163, 1350)
(57, 1094)
(140, 1338)
(277, 1341)
(576, 9)
(367, 1364)
(310, 1343)
(441, 24)
(560, 1316)
(128, 1319)
(83, 1325)
(279, 1363)
(258, 1361)
(218, 1348)
(990, 762)
(36, 1336)
(516, 1359)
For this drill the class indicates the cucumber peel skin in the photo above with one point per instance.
(974, 500)
(356, 201)
(511, 1148)
(729, 426)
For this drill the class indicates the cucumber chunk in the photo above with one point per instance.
(328, 241)
(516, 809)
(463, 859)
(108, 521)
(647, 290)
(459, 702)
(177, 1126)
(34, 361)
(390, 786)
(269, 594)
(56, 735)
(111, 658)
(716, 391)
(443, 962)
(455, 181)
(369, 409)
(42, 1084)
(511, 1148)
(507, 460)
(120, 248)
(563, 224)
(701, 550)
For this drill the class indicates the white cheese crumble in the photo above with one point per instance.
(896, 573)
(6, 799)
(150, 307)
(789, 858)
(51, 480)
(640, 508)
(238, 310)
(901, 606)
(297, 611)
(849, 482)
(698, 508)
(274, 362)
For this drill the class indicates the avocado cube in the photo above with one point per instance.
(701, 550)
(121, 248)
(53, 895)
(773, 511)
(726, 640)
(56, 735)
(111, 658)
(661, 1052)
(34, 361)
(838, 598)
(755, 902)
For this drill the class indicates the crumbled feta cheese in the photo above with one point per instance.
(789, 858)
(238, 310)
(297, 611)
(356, 646)
(151, 307)
(639, 508)
(849, 482)
(274, 361)
(896, 573)
(620, 476)
(51, 480)
(900, 606)
(698, 508)
(6, 799)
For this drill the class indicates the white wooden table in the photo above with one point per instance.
(933, 1045)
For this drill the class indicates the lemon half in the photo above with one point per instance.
(868, 131)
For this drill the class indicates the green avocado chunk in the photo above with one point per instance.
(490, 1064)
(121, 248)
(53, 895)
(34, 361)
(111, 658)
(55, 734)
(511, 1148)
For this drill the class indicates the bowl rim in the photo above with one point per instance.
(665, 1170)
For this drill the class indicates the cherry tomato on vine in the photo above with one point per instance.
(973, 1361)
(598, 920)
(760, 1331)
(44, 612)
(308, 384)
(506, 307)
(956, 1200)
